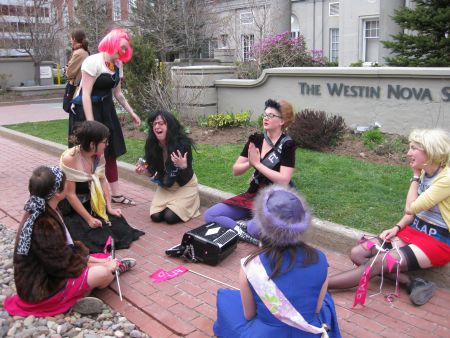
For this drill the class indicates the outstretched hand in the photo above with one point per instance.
(179, 161)
(389, 234)
(254, 156)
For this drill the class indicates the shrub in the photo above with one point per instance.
(393, 146)
(358, 63)
(316, 130)
(372, 138)
(223, 120)
(202, 121)
(280, 50)
(136, 71)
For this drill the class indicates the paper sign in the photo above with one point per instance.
(45, 72)
(162, 275)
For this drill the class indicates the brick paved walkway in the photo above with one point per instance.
(185, 306)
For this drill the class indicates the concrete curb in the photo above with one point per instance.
(326, 234)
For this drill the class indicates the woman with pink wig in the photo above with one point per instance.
(100, 81)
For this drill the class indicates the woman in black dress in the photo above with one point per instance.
(101, 80)
(89, 215)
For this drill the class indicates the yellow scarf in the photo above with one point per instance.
(98, 203)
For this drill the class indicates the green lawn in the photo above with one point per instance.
(340, 189)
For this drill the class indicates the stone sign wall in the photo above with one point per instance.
(399, 99)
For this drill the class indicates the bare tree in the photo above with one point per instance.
(175, 26)
(91, 16)
(34, 30)
(155, 20)
(166, 91)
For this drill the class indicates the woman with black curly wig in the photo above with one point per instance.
(168, 154)
(272, 155)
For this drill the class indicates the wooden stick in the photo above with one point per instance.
(214, 280)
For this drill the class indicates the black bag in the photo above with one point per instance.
(209, 243)
(68, 95)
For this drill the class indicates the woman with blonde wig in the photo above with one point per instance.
(422, 234)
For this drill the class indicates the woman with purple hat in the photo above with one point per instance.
(283, 285)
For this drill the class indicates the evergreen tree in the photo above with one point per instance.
(137, 72)
(425, 41)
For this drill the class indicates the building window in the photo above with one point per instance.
(295, 27)
(207, 50)
(247, 41)
(246, 18)
(116, 10)
(131, 6)
(334, 9)
(334, 44)
(224, 40)
(371, 29)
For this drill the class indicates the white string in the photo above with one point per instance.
(214, 280)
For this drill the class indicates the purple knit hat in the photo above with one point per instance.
(282, 215)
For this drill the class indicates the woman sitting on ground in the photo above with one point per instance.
(272, 155)
(422, 234)
(89, 216)
(51, 271)
(168, 153)
(283, 285)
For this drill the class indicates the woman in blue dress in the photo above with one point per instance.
(283, 284)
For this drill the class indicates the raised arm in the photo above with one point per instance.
(241, 166)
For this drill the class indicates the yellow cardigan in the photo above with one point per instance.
(438, 193)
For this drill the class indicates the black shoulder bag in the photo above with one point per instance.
(68, 96)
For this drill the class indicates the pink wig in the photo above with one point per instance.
(111, 44)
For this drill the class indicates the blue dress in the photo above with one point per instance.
(301, 286)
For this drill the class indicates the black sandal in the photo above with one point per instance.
(121, 199)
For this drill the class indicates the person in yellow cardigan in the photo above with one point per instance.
(422, 234)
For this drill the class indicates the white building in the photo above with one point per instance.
(346, 31)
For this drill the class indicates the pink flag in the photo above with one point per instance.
(390, 262)
(361, 291)
(162, 275)
(107, 247)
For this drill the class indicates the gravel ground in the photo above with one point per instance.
(109, 323)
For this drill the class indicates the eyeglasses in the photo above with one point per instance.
(270, 116)
(158, 123)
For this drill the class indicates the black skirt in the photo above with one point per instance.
(95, 238)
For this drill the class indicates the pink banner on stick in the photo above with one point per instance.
(361, 291)
(162, 275)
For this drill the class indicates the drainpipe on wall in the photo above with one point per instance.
(314, 25)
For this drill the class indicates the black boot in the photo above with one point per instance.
(242, 224)
(420, 291)
(244, 236)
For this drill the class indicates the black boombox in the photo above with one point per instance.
(209, 244)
